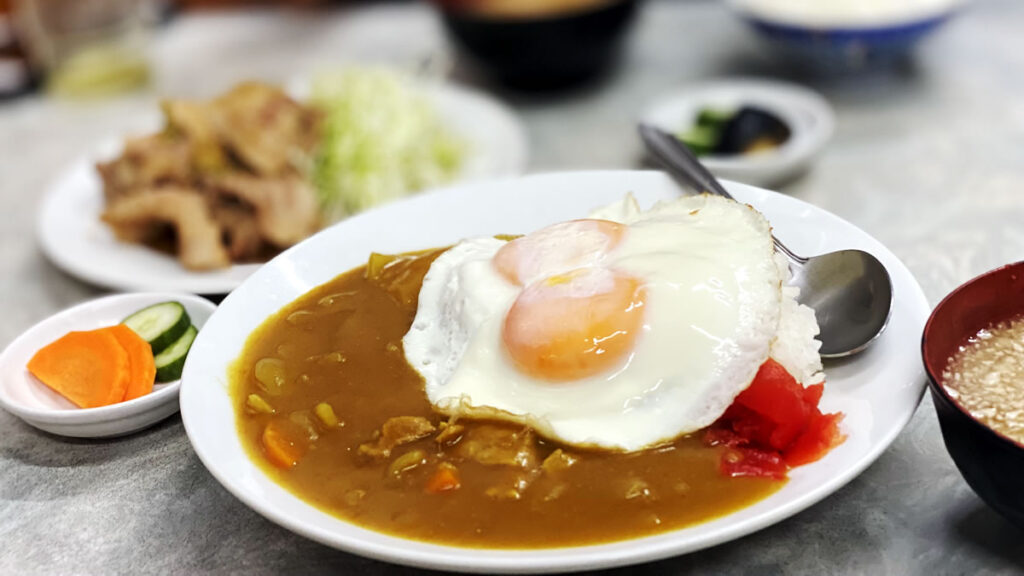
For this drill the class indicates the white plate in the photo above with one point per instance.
(807, 114)
(72, 236)
(32, 401)
(878, 390)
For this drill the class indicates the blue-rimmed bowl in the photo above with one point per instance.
(844, 42)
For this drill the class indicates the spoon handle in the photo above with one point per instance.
(677, 159)
(682, 165)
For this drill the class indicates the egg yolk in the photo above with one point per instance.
(575, 325)
(557, 248)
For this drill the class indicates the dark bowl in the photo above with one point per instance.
(543, 52)
(992, 464)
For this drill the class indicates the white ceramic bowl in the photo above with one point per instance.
(829, 36)
(32, 401)
(878, 390)
(808, 115)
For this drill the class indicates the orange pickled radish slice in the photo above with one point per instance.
(557, 249)
(575, 325)
(90, 368)
(141, 364)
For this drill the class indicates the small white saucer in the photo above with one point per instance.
(806, 112)
(32, 401)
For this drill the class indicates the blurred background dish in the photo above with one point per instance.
(839, 36)
(991, 462)
(707, 109)
(539, 44)
(73, 236)
(86, 48)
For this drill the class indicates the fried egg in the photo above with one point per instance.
(619, 331)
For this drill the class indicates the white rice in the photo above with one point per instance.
(795, 346)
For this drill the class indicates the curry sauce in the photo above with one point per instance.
(328, 407)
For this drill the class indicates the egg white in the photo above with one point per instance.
(713, 307)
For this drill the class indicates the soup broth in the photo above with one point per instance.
(986, 377)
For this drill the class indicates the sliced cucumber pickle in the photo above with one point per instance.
(700, 139)
(160, 324)
(170, 362)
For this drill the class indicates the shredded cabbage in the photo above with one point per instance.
(382, 140)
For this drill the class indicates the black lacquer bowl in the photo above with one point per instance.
(545, 51)
(991, 463)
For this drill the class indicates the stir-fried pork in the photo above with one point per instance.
(138, 218)
(241, 156)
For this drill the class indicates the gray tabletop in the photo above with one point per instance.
(928, 158)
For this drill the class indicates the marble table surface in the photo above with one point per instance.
(928, 158)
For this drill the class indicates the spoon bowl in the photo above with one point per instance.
(851, 294)
(849, 290)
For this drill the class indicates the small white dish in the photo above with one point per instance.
(878, 390)
(73, 237)
(32, 401)
(808, 115)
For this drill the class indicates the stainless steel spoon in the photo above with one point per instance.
(849, 290)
